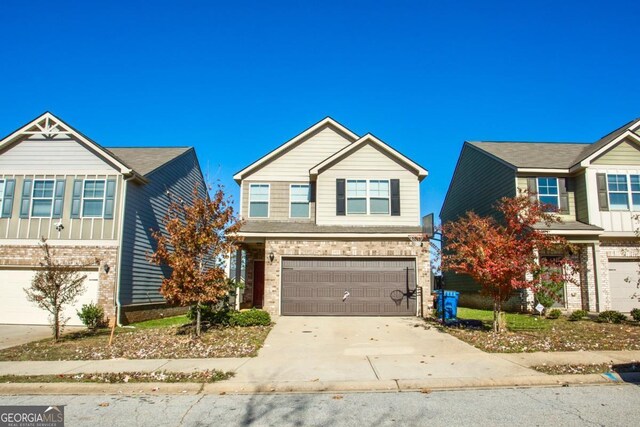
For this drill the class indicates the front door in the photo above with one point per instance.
(258, 284)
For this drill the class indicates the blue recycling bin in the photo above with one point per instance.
(450, 304)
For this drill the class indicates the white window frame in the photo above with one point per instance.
(627, 193)
(2, 188)
(557, 195)
(632, 192)
(103, 198)
(34, 198)
(366, 196)
(308, 185)
(369, 197)
(268, 200)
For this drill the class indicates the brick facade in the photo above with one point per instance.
(94, 257)
(621, 249)
(329, 248)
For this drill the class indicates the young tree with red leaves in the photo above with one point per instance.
(198, 235)
(502, 256)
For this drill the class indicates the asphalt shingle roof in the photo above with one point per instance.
(145, 160)
(307, 227)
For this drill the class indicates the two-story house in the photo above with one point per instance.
(596, 189)
(96, 206)
(328, 215)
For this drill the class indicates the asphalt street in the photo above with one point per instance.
(617, 405)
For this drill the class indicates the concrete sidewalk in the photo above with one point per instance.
(329, 354)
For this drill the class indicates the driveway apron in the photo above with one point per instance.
(304, 348)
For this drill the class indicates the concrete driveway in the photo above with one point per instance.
(368, 349)
(12, 335)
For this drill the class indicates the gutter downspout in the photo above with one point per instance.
(120, 240)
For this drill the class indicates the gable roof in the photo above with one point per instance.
(147, 159)
(326, 122)
(130, 161)
(369, 139)
(554, 155)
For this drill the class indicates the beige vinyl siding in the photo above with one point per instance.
(625, 153)
(60, 156)
(294, 164)
(368, 162)
(278, 201)
(478, 182)
(571, 195)
(74, 229)
(582, 205)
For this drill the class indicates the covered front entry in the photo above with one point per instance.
(623, 284)
(349, 286)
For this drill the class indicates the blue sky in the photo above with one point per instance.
(236, 79)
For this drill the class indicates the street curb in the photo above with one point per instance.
(226, 387)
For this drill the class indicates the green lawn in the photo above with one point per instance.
(515, 321)
(162, 323)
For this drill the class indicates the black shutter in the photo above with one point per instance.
(395, 197)
(25, 203)
(340, 198)
(564, 196)
(532, 188)
(603, 200)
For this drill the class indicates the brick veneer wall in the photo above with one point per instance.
(337, 248)
(93, 256)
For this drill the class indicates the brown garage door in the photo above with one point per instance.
(375, 287)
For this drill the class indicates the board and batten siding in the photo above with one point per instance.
(368, 162)
(625, 153)
(294, 164)
(479, 181)
(145, 209)
(279, 200)
(571, 195)
(612, 220)
(60, 156)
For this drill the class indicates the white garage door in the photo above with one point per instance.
(16, 309)
(623, 280)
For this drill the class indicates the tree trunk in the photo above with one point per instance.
(56, 325)
(496, 314)
(197, 320)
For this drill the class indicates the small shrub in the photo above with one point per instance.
(91, 315)
(212, 315)
(578, 315)
(554, 314)
(635, 313)
(253, 317)
(611, 316)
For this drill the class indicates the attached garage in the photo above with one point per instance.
(16, 309)
(349, 287)
(623, 283)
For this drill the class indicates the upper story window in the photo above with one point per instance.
(548, 191)
(356, 196)
(379, 197)
(93, 195)
(1, 194)
(258, 200)
(299, 197)
(621, 191)
(42, 197)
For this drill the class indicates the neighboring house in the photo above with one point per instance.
(328, 215)
(96, 206)
(595, 186)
